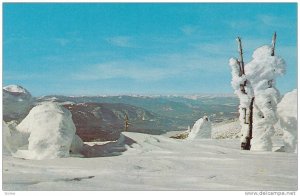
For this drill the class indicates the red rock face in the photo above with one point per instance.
(95, 122)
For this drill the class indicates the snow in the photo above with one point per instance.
(259, 81)
(226, 130)
(12, 139)
(15, 89)
(151, 162)
(76, 145)
(237, 81)
(201, 129)
(287, 112)
(6, 135)
(51, 132)
(262, 72)
(16, 102)
(264, 66)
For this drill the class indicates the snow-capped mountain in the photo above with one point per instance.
(17, 102)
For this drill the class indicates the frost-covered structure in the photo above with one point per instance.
(287, 113)
(17, 102)
(51, 131)
(201, 129)
(258, 95)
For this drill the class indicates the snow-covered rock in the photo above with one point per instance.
(51, 132)
(17, 102)
(201, 129)
(287, 112)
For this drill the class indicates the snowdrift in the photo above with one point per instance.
(287, 112)
(51, 132)
(17, 102)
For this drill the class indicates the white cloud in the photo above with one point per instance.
(240, 24)
(274, 21)
(121, 41)
(22, 76)
(153, 68)
(201, 58)
(62, 41)
(189, 29)
(260, 22)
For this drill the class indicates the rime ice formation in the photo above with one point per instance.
(201, 129)
(51, 132)
(76, 145)
(287, 113)
(260, 79)
(12, 139)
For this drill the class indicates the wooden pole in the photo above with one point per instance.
(126, 122)
(249, 121)
(249, 136)
(273, 44)
(270, 82)
(241, 64)
(241, 60)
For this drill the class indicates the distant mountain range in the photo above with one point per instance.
(218, 108)
(105, 121)
(103, 116)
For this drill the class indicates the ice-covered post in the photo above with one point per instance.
(242, 88)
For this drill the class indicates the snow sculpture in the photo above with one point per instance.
(201, 129)
(16, 102)
(287, 113)
(254, 84)
(51, 132)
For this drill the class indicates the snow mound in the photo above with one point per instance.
(287, 112)
(16, 102)
(51, 132)
(12, 139)
(201, 129)
(6, 135)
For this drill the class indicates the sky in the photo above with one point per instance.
(114, 48)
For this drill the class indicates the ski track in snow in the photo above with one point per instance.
(158, 163)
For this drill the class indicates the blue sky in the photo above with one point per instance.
(95, 49)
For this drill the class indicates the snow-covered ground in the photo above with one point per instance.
(148, 162)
